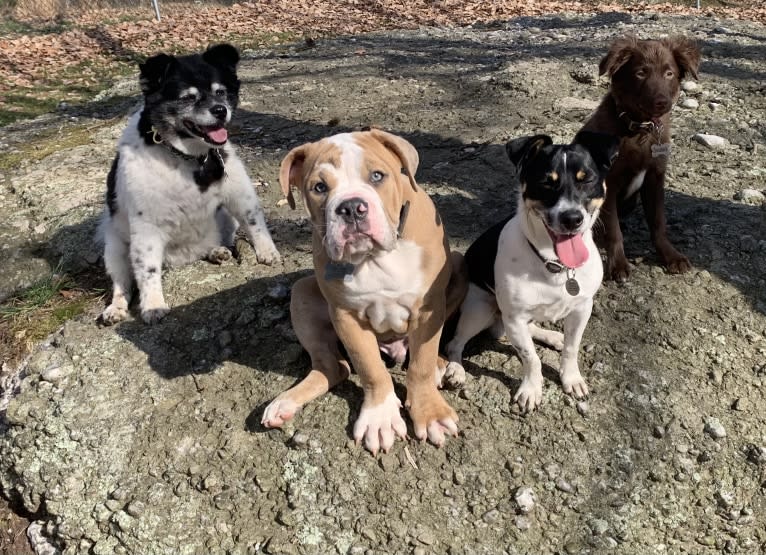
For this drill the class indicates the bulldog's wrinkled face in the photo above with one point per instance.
(353, 185)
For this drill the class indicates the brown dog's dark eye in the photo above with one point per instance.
(376, 177)
(320, 188)
(640, 74)
(669, 74)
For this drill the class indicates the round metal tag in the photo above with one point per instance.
(572, 287)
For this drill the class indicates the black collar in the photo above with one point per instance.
(210, 166)
(640, 127)
(553, 266)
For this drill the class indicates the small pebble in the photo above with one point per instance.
(582, 407)
(523, 523)
(711, 141)
(563, 485)
(525, 499)
(750, 196)
(689, 86)
(714, 428)
(599, 527)
(689, 104)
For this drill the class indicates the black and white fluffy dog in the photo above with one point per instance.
(177, 190)
(540, 263)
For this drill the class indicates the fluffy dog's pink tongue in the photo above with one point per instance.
(571, 250)
(218, 135)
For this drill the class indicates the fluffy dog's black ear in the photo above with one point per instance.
(154, 70)
(619, 53)
(686, 53)
(602, 148)
(524, 149)
(222, 55)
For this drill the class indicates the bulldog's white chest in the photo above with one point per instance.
(384, 289)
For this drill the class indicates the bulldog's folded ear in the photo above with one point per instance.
(403, 149)
(290, 171)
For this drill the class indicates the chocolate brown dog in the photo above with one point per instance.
(645, 84)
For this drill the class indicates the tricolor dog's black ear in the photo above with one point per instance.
(154, 71)
(603, 148)
(524, 149)
(223, 56)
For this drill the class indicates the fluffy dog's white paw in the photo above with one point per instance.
(378, 426)
(154, 315)
(113, 314)
(452, 376)
(278, 412)
(574, 384)
(530, 394)
(219, 255)
(265, 251)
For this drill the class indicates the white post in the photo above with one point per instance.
(156, 5)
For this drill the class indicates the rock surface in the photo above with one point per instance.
(142, 439)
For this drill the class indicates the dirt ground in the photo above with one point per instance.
(140, 439)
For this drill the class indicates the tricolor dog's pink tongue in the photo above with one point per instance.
(571, 250)
(218, 135)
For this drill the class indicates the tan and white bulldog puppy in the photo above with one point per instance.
(382, 275)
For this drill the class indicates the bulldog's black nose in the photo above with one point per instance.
(219, 111)
(352, 210)
(571, 219)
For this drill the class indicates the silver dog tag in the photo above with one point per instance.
(662, 149)
(571, 285)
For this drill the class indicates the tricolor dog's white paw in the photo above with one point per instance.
(574, 384)
(278, 412)
(452, 376)
(530, 393)
(379, 425)
(113, 314)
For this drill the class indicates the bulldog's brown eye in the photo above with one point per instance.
(376, 177)
(320, 188)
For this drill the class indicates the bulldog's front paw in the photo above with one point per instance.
(155, 314)
(278, 412)
(530, 393)
(265, 251)
(379, 425)
(432, 417)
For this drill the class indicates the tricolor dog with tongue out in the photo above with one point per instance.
(384, 280)
(540, 263)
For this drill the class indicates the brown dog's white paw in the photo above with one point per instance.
(432, 417)
(378, 426)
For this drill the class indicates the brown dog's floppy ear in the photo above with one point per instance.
(290, 170)
(686, 53)
(523, 149)
(403, 149)
(619, 53)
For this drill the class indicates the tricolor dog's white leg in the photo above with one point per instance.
(552, 338)
(530, 392)
(477, 313)
(311, 323)
(118, 268)
(574, 326)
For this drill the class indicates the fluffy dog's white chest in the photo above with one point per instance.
(384, 289)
